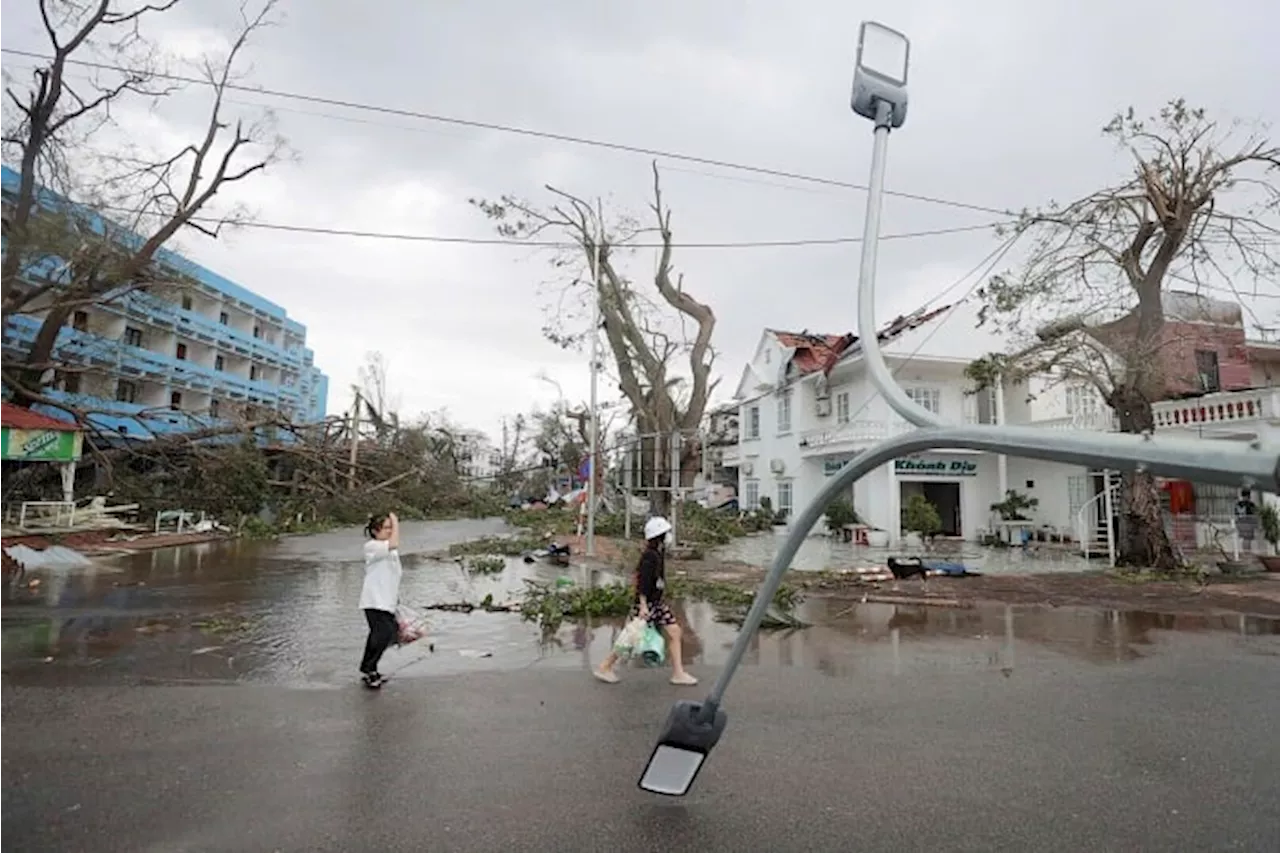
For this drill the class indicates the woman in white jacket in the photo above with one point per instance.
(381, 593)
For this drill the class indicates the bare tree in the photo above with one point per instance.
(62, 255)
(645, 330)
(1089, 303)
(380, 406)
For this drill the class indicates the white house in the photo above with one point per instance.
(807, 406)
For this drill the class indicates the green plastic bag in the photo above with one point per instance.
(652, 648)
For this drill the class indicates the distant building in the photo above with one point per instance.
(211, 352)
(477, 458)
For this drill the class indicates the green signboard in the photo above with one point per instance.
(40, 445)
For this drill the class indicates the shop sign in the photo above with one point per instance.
(916, 467)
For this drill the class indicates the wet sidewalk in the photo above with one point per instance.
(820, 552)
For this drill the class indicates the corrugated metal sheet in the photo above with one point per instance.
(813, 353)
(16, 417)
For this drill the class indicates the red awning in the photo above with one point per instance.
(16, 417)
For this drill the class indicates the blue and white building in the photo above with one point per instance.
(179, 358)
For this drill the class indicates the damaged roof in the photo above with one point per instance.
(16, 417)
(813, 353)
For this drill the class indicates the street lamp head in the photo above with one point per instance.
(691, 732)
(880, 75)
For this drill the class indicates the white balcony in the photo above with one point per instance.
(848, 436)
(731, 455)
(1225, 410)
(1222, 412)
(1100, 420)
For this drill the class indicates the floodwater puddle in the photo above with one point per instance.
(286, 613)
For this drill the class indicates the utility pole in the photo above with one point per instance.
(675, 485)
(355, 441)
(592, 497)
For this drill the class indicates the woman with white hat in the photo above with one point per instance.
(650, 584)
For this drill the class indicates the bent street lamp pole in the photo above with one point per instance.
(693, 728)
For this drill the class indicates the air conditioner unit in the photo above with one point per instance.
(777, 466)
(823, 407)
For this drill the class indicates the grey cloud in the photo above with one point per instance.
(1007, 102)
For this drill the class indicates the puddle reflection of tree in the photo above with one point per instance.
(1099, 636)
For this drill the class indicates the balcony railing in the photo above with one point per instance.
(852, 433)
(1101, 420)
(1222, 409)
(731, 455)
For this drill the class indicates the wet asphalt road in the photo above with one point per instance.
(1176, 750)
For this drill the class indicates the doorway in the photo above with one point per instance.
(945, 497)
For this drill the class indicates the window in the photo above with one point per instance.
(926, 398)
(175, 401)
(1081, 400)
(784, 412)
(753, 422)
(784, 498)
(1207, 375)
(80, 321)
(219, 363)
(223, 318)
(71, 383)
(126, 392)
(213, 408)
(253, 372)
(132, 336)
(751, 494)
(186, 303)
(257, 331)
(842, 407)
(182, 352)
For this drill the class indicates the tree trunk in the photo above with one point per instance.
(1143, 542)
(40, 359)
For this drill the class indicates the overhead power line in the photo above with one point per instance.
(521, 131)
(565, 244)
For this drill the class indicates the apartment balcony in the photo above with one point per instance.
(130, 361)
(160, 312)
(730, 455)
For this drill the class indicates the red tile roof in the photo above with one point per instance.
(815, 353)
(17, 417)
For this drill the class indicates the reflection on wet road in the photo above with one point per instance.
(286, 613)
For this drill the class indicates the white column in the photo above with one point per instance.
(68, 471)
(895, 505)
(1002, 461)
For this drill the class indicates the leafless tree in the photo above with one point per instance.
(646, 330)
(1199, 212)
(64, 254)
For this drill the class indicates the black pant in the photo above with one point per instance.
(382, 633)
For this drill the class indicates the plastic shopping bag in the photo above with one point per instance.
(629, 637)
(412, 625)
(653, 648)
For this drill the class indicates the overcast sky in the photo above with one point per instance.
(1007, 100)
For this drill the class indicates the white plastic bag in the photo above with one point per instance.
(411, 625)
(629, 637)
